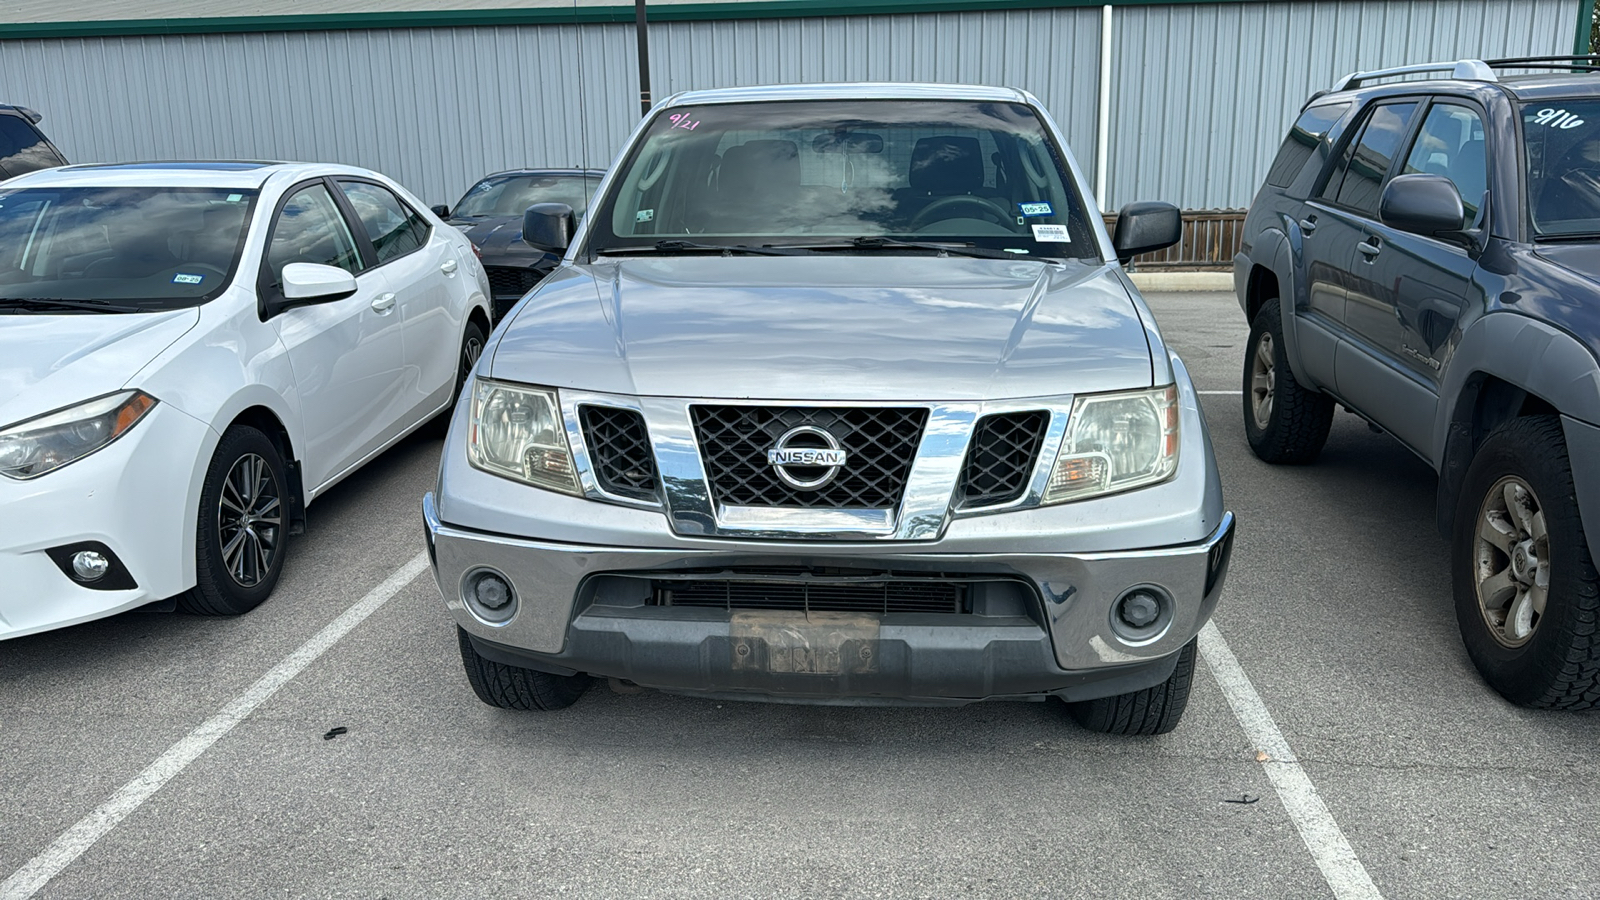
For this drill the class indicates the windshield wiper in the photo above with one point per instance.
(1569, 237)
(677, 246)
(875, 242)
(47, 303)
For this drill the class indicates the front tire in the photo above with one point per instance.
(1154, 710)
(241, 538)
(513, 687)
(1284, 421)
(1526, 590)
(472, 338)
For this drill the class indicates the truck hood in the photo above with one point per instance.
(827, 328)
(51, 361)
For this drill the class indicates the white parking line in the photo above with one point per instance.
(1220, 393)
(1341, 869)
(71, 844)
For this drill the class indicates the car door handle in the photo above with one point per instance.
(1369, 249)
(383, 304)
(1308, 225)
(448, 267)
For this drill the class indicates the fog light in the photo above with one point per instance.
(90, 565)
(1139, 609)
(491, 591)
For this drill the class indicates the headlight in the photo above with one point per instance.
(31, 448)
(516, 432)
(1116, 442)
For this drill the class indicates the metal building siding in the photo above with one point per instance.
(1202, 94)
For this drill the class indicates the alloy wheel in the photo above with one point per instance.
(249, 520)
(1511, 561)
(1263, 381)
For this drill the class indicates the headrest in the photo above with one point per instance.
(946, 165)
(759, 168)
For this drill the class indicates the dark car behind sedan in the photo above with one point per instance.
(23, 147)
(490, 215)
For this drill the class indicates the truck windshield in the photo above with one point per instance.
(126, 247)
(826, 173)
(1562, 138)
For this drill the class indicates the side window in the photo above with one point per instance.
(1450, 143)
(22, 148)
(310, 229)
(1298, 148)
(394, 228)
(1369, 158)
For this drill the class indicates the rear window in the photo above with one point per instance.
(1301, 144)
(22, 148)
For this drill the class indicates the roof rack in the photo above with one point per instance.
(1565, 63)
(1461, 70)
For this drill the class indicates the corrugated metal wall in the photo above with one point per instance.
(1202, 92)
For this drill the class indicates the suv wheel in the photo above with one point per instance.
(513, 687)
(1284, 421)
(1154, 710)
(240, 538)
(1526, 590)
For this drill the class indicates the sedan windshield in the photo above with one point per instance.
(1562, 138)
(824, 174)
(127, 248)
(511, 195)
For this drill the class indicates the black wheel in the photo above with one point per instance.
(1154, 710)
(240, 534)
(513, 687)
(1284, 421)
(472, 338)
(1526, 590)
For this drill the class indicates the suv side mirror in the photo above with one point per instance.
(441, 211)
(1146, 227)
(548, 227)
(1421, 204)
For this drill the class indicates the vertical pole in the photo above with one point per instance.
(644, 57)
(1102, 147)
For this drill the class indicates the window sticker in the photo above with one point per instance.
(1036, 209)
(644, 215)
(1052, 233)
(235, 198)
(181, 278)
(1557, 118)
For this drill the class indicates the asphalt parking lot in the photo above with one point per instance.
(155, 755)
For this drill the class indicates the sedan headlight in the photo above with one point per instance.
(31, 448)
(516, 432)
(1116, 442)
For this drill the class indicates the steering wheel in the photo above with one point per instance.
(982, 205)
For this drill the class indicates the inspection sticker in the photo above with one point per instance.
(235, 198)
(1036, 209)
(1053, 233)
(644, 215)
(181, 278)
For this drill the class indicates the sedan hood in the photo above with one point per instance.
(48, 361)
(499, 241)
(828, 328)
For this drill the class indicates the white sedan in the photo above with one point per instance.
(191, 353)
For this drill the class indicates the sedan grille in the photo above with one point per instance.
(1001, 456)
(882, 593)
(880, 445)
(509, 281)
(619, 450)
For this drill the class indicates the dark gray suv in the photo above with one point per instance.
(1426, 253)
(23, 147)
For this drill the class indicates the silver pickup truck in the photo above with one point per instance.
(839, 395)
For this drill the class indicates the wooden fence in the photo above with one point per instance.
(1210, 239)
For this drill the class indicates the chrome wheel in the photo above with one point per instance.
(249, 520)
(1263, 381)
(1511, 561)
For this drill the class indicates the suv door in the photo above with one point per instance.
(346, 354)
(422, 274)
(1419, 285)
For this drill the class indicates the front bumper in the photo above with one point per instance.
(1062, 643)
(136, 497)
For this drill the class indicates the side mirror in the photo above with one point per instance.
(1421, 204)
(315, 282)
(548, 227)
(1146, 227)
(441, 211)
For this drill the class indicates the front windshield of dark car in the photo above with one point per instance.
(143, 247)
(511, 195)
(811, 172)
(1562, 139)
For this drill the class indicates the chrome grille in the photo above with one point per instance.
(1001, 457)
(619, 451)
(881, 443)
